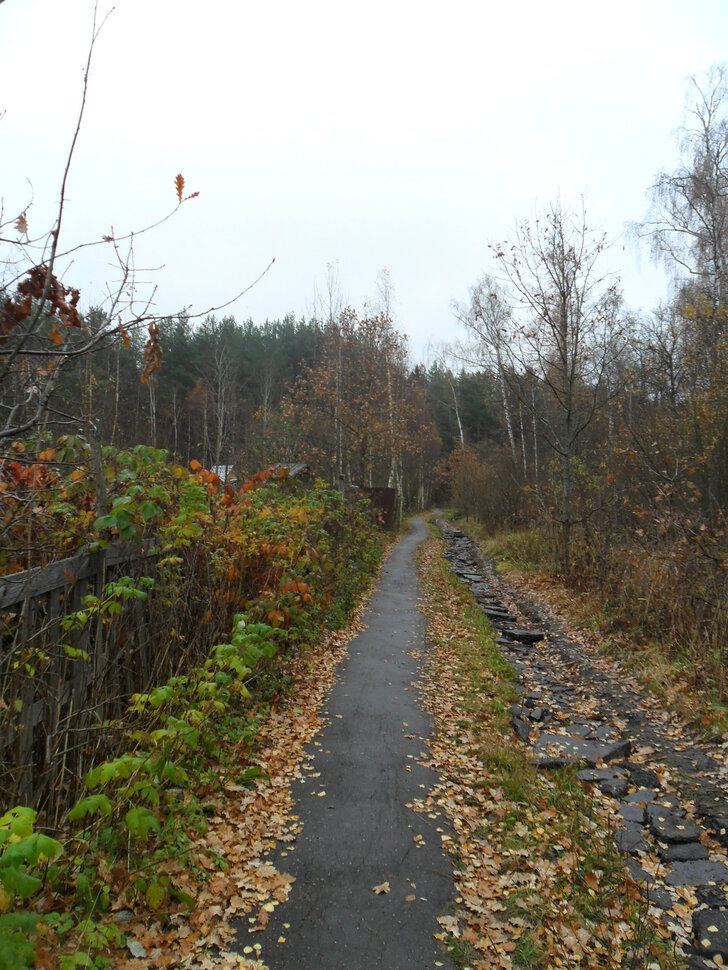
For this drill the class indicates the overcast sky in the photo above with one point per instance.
(397, 134)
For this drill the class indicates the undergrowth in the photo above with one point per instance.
(291, 562)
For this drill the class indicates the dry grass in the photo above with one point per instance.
(645, 610)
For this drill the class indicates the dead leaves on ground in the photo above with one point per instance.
(538, 880)
(245, 826)
(522, 860)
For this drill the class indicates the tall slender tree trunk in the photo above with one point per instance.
(506, 406)
(219, 426)
(175, 421)
(152, 410)
(536, 473)
(457, 413)
(566, 485)
(205, 455)
(523, 442)
(567, 356)
(339, 426)
(115, 423)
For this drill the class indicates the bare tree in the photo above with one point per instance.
(487, 317)
(565, 334)
(456, 408)
(385, 294)
(687, 223)
(41, 326)
(394, 355)
(663, 364)
(221, 381)
(329, 304)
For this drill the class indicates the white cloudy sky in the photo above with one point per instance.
(399, 134)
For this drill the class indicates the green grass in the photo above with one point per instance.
(528, 953)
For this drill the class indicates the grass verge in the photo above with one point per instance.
(539, 882)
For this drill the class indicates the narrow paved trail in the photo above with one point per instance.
(357, 832)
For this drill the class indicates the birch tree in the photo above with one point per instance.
(687, 224)
(487, 317)
(565, 334)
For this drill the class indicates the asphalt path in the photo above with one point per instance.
(360, 834)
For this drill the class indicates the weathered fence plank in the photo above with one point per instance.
(67, 715)
(51, 702)
(16, 587)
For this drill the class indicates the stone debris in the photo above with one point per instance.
(521, 728)
(710, 930)
(672, 828)
(579, 748)
(630, 839)
(521, 635)
(699, 873)
(632, 812)
(653, 821)
(682, 852)
(642, 796)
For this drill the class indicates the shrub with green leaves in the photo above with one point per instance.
(24, 859)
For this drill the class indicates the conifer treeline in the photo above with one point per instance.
(341, 394)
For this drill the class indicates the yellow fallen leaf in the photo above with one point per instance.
(381, 888)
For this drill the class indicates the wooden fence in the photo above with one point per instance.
(61, 688)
